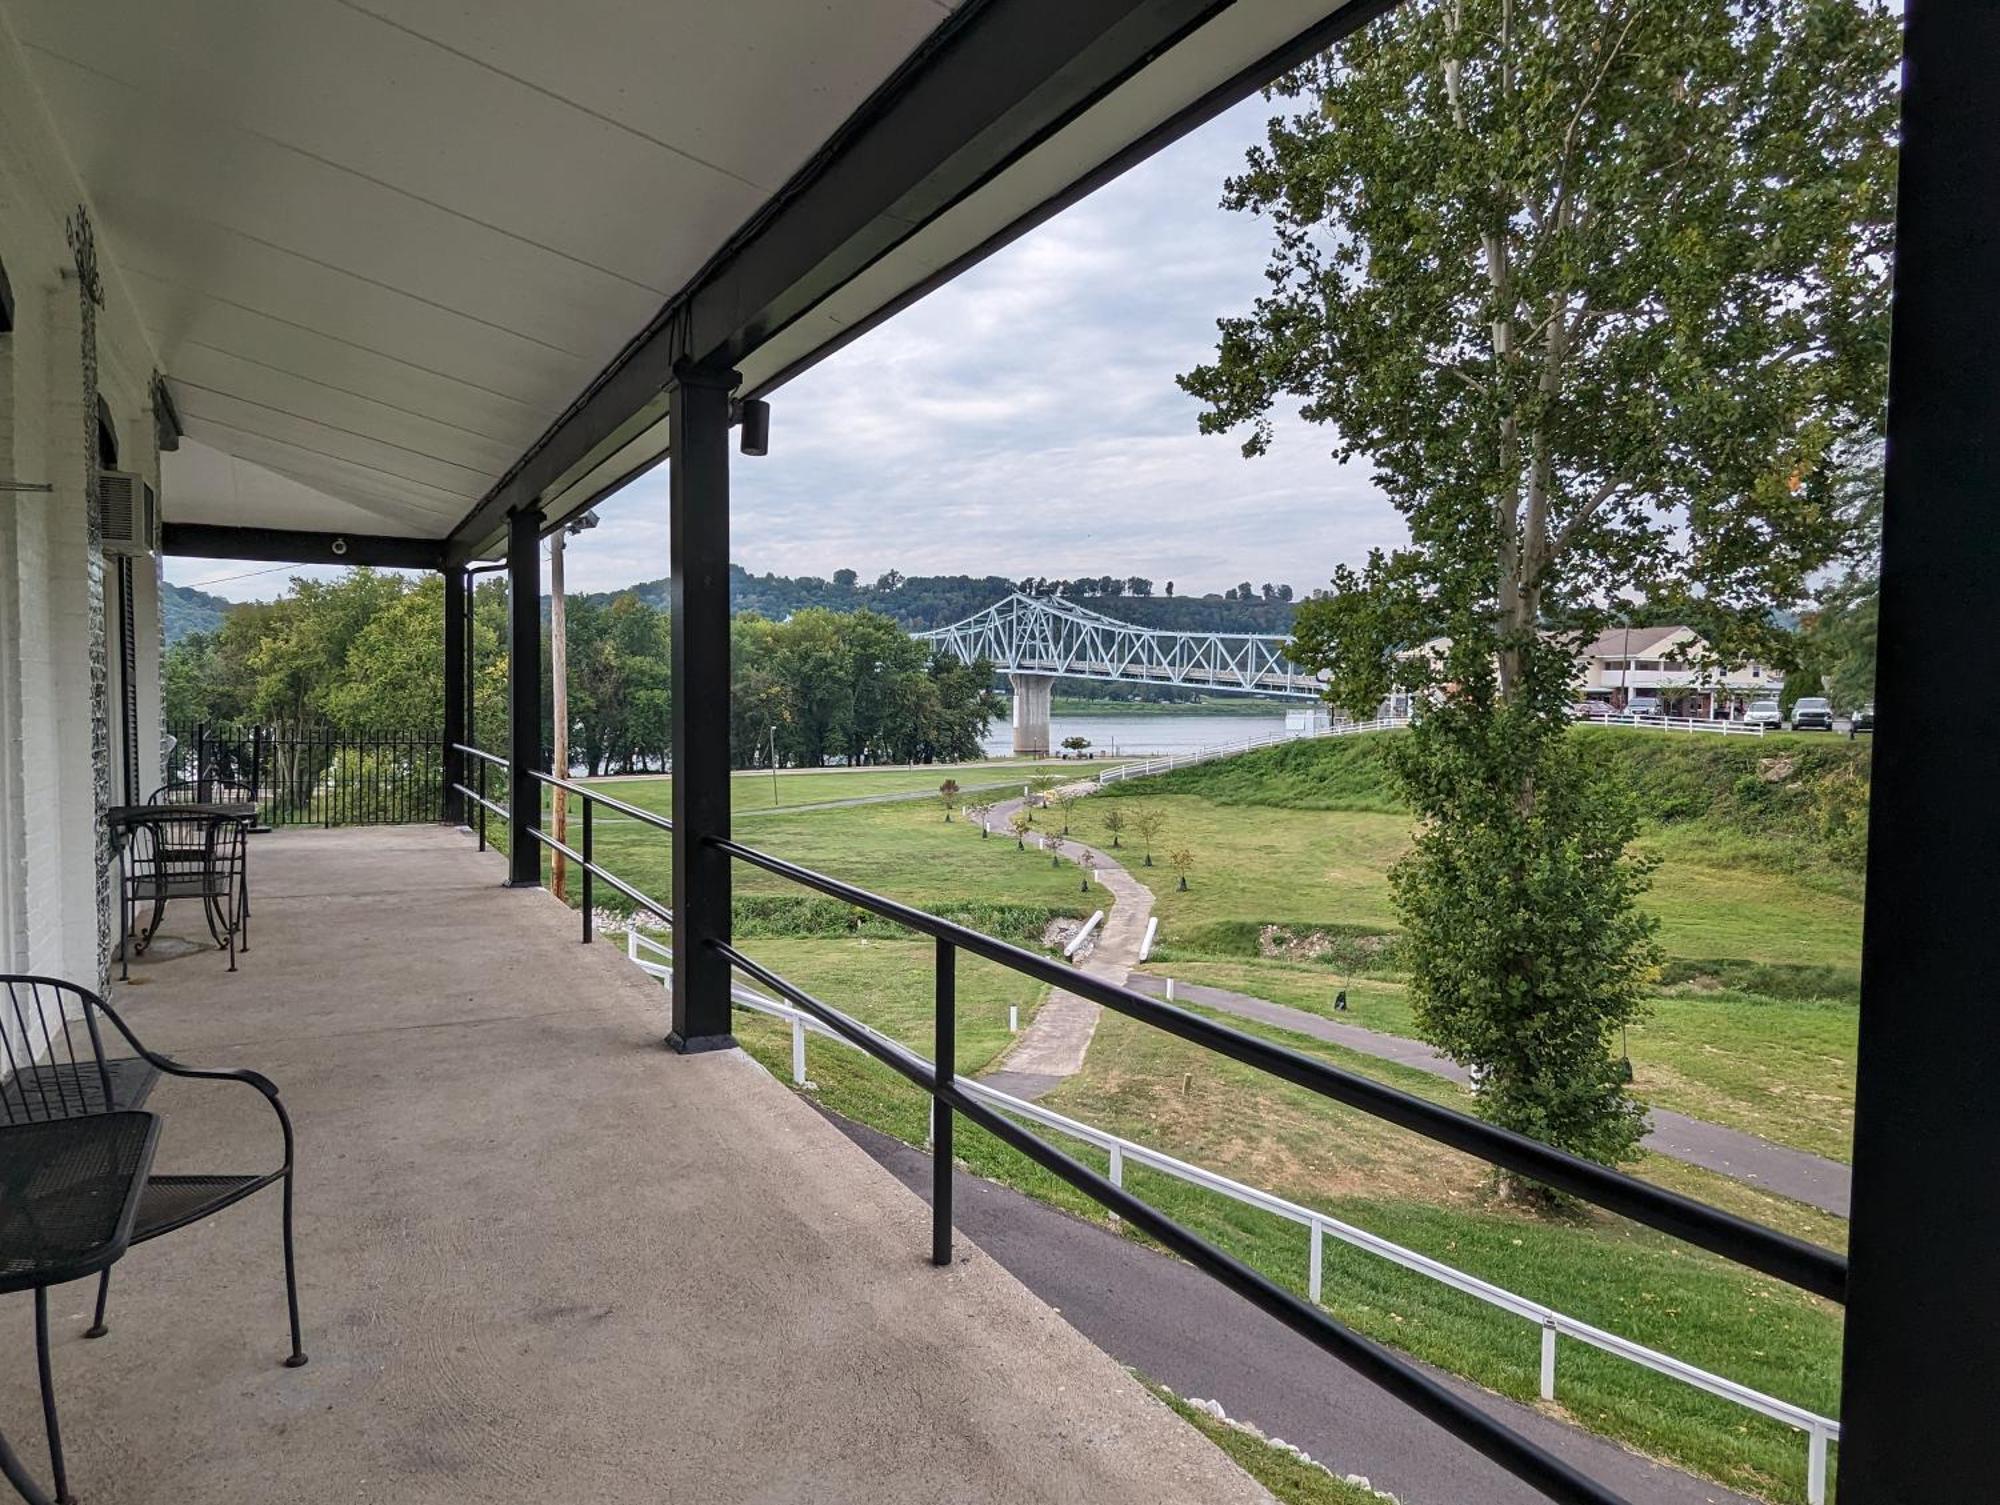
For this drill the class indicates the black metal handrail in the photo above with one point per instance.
(1792, 1260)
(1779, 1255)
(1526, 1460)
(485, 760)
(585, 860)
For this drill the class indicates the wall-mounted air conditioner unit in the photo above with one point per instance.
(128, 513)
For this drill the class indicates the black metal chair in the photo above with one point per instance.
(54, 1065)
(199, 854)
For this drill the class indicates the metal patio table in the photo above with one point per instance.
(183, 859)
(69, 1191)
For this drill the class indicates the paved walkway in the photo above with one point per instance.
(1175, 1325)
(1053, 1045)
(1772, 1167)
(541, 1256)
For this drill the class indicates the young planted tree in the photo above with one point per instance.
(1147, 824)
(1019, 823)
(1600, 291)
(1182, 862)
(1114, 823)
(979, 811)
(1056, 849)
(1065, 801)
(948, 796)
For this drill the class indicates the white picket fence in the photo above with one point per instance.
(1821, 1431)
(1690, 724)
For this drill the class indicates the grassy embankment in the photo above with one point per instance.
(1758, 895)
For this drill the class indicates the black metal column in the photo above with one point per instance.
(524, 698)
(698, 441)
(457, 677)
(1922, 1363)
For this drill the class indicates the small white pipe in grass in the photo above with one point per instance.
(1170, 990)
(1152, 930)
(1013, 1018)
(1076, 941)
(1548, 1359)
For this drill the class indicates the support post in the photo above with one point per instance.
(456, 680)
(524, 699)
(1031, 713)
(698, 533)
(944, 1069)
(1921, 1363)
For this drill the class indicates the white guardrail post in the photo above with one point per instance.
(1821, 1431)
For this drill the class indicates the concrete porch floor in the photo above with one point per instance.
(541, 1256)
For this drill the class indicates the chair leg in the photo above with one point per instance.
(97, 1329)
(16, 1474)
(298, 1356)
(56, 1469)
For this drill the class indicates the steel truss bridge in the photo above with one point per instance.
(1041, 635)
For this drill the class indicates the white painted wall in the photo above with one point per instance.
(50, 920)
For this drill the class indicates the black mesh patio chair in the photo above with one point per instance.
(58, 1060)
(196, 855)
(176, 792)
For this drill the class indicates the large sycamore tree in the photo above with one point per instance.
(1600, 292)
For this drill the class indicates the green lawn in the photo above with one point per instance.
(904, 851)
(1782, 1069)
(1306, 867)
(753, 792)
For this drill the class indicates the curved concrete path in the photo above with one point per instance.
(1175, 1325)
(1053, 1045)
(1803, 1177)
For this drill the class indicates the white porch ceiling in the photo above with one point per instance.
(381, 245)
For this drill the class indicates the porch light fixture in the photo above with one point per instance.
(756, 436)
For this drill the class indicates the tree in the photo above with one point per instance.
(948, 794)
(1065, 801)
(1147, 823)
(1170, 587)
(1019, 823)
(1182, 862)
(845, 580)
(1138, 585)
(1076, 744)
(1600, 292)
(979, 811)
(1114, 822)
(1056, 850)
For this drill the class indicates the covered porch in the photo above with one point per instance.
(540, 1257)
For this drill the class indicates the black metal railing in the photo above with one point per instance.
(304, 775)
(1792, 1260)
(586, 859)
(1779, 1255)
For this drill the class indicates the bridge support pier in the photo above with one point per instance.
(1031, 713)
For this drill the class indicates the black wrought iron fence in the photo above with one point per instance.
(302, 775)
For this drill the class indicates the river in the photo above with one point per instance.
(1147, 734)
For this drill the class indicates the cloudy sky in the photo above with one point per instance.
(1024, 421)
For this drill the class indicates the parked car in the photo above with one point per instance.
(1812, 713)
(1863, 720)
(1765, 713)
(1645, 707)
